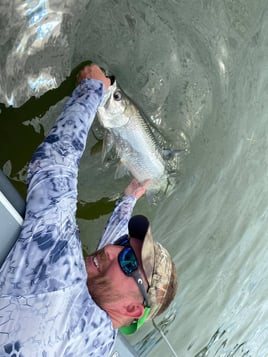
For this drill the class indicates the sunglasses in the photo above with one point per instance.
(128, 263)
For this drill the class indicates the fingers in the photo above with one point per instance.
(136, 188)
(94, 72)
(146, 183)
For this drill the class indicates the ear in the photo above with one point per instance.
(134, 310)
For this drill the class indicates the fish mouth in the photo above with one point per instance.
(108, 94)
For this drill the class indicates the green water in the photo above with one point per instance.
(19, 141)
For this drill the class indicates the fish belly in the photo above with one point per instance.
(138, 153)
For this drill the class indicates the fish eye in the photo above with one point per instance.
(117, 95)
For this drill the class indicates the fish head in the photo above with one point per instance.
(113, 111)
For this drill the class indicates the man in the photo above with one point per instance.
(52, 301)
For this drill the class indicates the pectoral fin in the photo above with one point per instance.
(121, 170)
(108, 143)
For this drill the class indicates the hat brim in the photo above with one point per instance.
(148, 255)
(139, 228)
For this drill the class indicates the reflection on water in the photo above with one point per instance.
(198, 70)
(41, 24)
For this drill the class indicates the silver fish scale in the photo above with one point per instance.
(137, 150)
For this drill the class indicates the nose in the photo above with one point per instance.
(112, 252)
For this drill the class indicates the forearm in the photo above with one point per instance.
(49, 232)
(118, 222)
(66, 141)
(52, 174)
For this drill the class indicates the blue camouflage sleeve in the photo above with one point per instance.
(48, 256)
(117, 224)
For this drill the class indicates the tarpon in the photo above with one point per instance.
(134, 142)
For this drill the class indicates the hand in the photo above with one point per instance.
(93, 71)
(137, 189)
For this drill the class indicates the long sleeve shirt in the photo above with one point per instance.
(45, 307)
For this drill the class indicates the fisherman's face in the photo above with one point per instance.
(107, 283)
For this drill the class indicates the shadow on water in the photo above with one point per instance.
(19, 141)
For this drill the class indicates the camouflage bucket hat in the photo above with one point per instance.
(156, 261)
